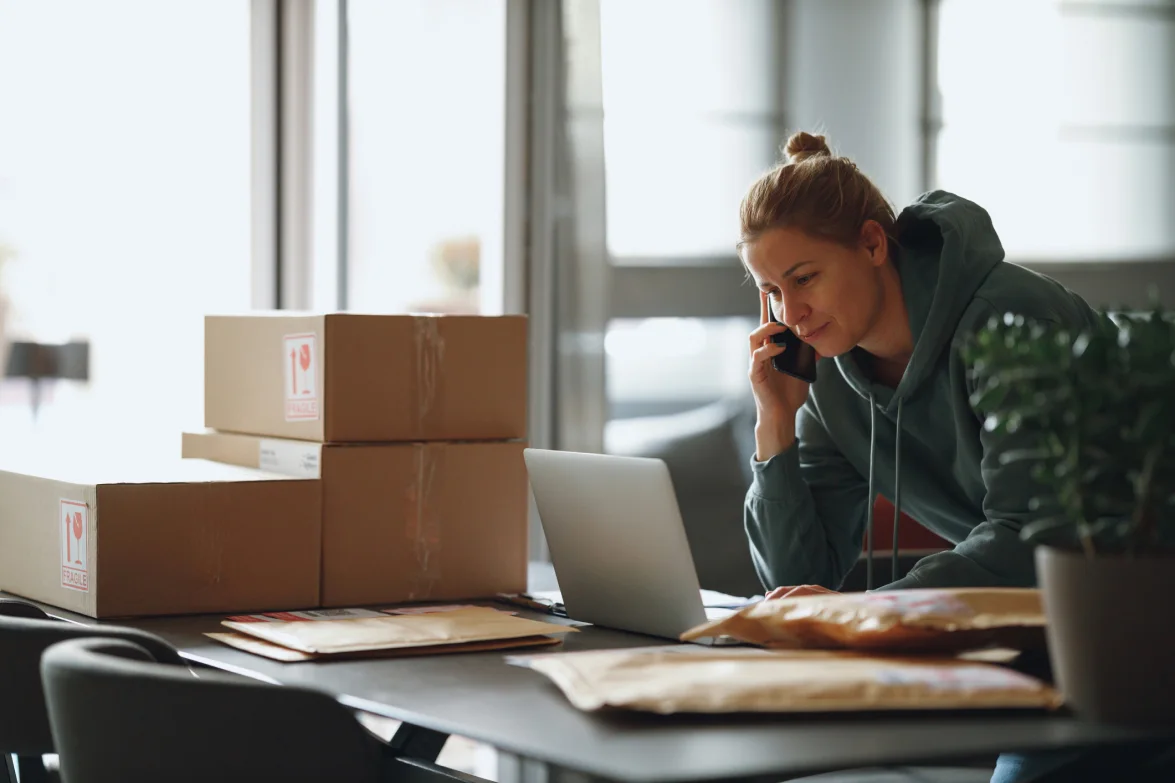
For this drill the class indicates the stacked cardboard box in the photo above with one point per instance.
(413, 424)
(114, 537)
(385, 457)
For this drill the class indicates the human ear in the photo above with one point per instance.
(874, 242)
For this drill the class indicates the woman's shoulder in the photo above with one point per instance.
(1011, 288)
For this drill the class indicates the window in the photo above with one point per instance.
(124, 200)
(1067, 137)
(691, 116)
(656, 366)
(427, 152)
(690, 120)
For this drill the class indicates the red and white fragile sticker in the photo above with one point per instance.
(73, 525)
(300, 366)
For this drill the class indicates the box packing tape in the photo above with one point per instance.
(423, 528)
(430, 357)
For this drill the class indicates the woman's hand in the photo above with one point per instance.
(797, 591)
(777, 396)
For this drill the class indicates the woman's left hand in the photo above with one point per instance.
(797, 591)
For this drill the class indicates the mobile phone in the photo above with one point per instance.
(799, 360)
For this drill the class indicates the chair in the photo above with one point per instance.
(14, 607)
(118, 715)
(10, 607)
(25, 633)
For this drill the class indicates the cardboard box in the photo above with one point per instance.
(175, 537)
(403, 521)
(343, 377)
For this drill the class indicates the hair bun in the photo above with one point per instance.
(802, 146)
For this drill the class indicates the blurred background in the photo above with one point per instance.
(579, 161)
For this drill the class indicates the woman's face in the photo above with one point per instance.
(829, 295)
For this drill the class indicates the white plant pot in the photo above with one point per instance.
(1111, 632)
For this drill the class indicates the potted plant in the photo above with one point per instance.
(1092, 415)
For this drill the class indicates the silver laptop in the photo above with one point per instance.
(617, 542)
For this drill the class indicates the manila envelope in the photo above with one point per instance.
(276, 652)
(461, 626)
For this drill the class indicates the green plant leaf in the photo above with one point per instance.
(1086, 407)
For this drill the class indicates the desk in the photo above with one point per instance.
(541, 738)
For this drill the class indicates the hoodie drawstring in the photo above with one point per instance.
(897, 494)
(872, 494)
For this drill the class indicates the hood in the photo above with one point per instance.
(946, 248)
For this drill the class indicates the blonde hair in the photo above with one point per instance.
(821, 194)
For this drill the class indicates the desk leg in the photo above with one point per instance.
(517, 769)
(415, 742)
(415, 771)
(413, 751)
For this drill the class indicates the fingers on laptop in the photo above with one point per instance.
(795, 591)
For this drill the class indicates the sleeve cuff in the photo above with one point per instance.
(774, 479)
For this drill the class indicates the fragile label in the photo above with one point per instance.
(290, 458)
(73, 523)
(300, 365)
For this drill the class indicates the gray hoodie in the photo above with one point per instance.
(921, 444)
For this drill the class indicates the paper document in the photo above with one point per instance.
(710, 599)
(389, 632)
(717, 600)
(251, 644)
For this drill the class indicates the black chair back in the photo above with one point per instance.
(14, 607)
(117, 715)
(24, 724)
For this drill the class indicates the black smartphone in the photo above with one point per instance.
(799, 360)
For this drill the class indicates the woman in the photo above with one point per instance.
(885, 302)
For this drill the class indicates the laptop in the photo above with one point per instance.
(618, 544)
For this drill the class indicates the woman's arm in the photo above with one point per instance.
(805, 511)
